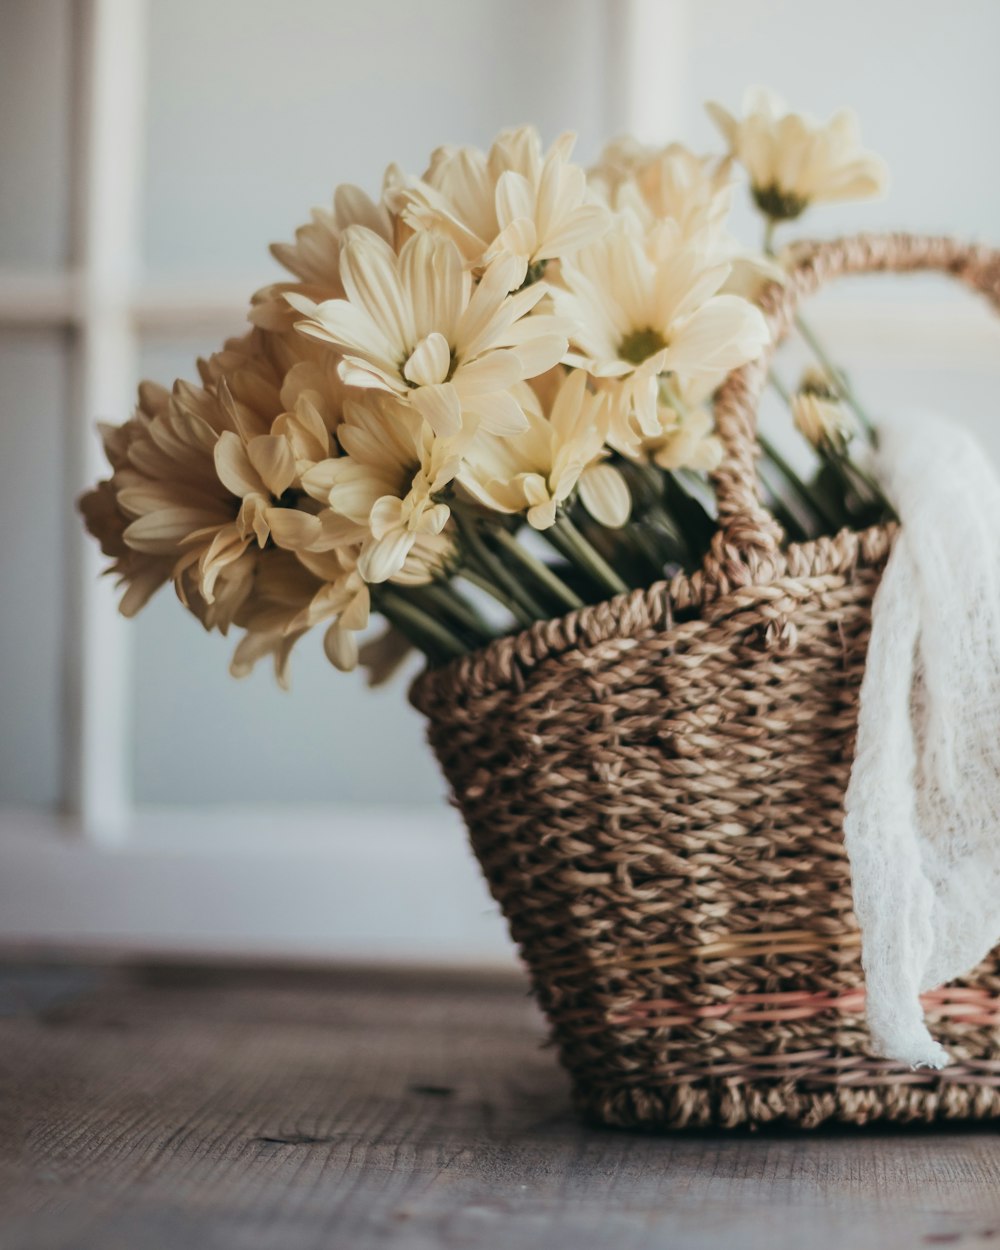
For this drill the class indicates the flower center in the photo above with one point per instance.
(779, 205)
(640, 345)
(535, 273)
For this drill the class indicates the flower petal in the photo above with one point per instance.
(234, 467)
(272, 457)
(292, 529)
(429, 362)
(381, 558)
(369, 272)
(605, 495)
(353, 330)
(440, 407)
(494, 371)
(341, 648)
(499, 413)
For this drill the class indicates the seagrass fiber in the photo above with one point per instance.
(658, 812)
(654, 789)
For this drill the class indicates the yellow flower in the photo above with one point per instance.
(794, 160)
(686, 442)
(141, 573)
(515, 201)
(279, 425)
(822, 419)
(641, 311)
(386, 484)
(289, 598)
(314, 257)
(561, 451)
(165, 491)
(676, 196)
(659, 185)
(415, 325)
(201, 482)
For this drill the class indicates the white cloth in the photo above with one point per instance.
(922, 825)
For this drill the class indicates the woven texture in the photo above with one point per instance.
(654, 789)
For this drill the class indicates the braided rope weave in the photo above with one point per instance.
(654, 788)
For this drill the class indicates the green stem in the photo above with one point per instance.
(493, 568)
(418, 626)
(644, 540)
(472, 575)
(576, 547)
(807, 497)
(696, 522)
(870, 483)
(854, 479)
(537, 569)
(446, 598)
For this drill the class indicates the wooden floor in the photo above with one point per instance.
(234, 1109)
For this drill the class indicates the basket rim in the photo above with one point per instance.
(505, 660)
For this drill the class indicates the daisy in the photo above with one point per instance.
(562, 451)
(819, 415)
(163, 491)
(658, 185)
(285, 605)
(140, 573)
(516, 200)
(645, 309)
(314, 257)
(387, 482)
(416, 326)
(794, 160)
(686, 441)
(205, 478)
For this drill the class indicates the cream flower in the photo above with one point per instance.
(687, 441)
(387, 481)
(675, 197)
(670, 184)
(561, 451)
(794, 160)
(641, 312)
(165, 491)
(278, 426)
(201, 483)
(140, 573)
(414, 325)
(289, 598)
(515, 201)
(822, 419)
(314, 257)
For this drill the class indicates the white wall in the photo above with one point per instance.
(254, 111)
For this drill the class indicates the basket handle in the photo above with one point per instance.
(747, 544)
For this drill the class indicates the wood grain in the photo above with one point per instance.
(157, 1108)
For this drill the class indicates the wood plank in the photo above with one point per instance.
(154, 1108)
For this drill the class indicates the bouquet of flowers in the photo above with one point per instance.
(484, 399)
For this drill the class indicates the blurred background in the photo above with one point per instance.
(149, 151)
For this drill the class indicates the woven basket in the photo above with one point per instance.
(654, 787)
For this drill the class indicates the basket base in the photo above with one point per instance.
(914, 1099)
